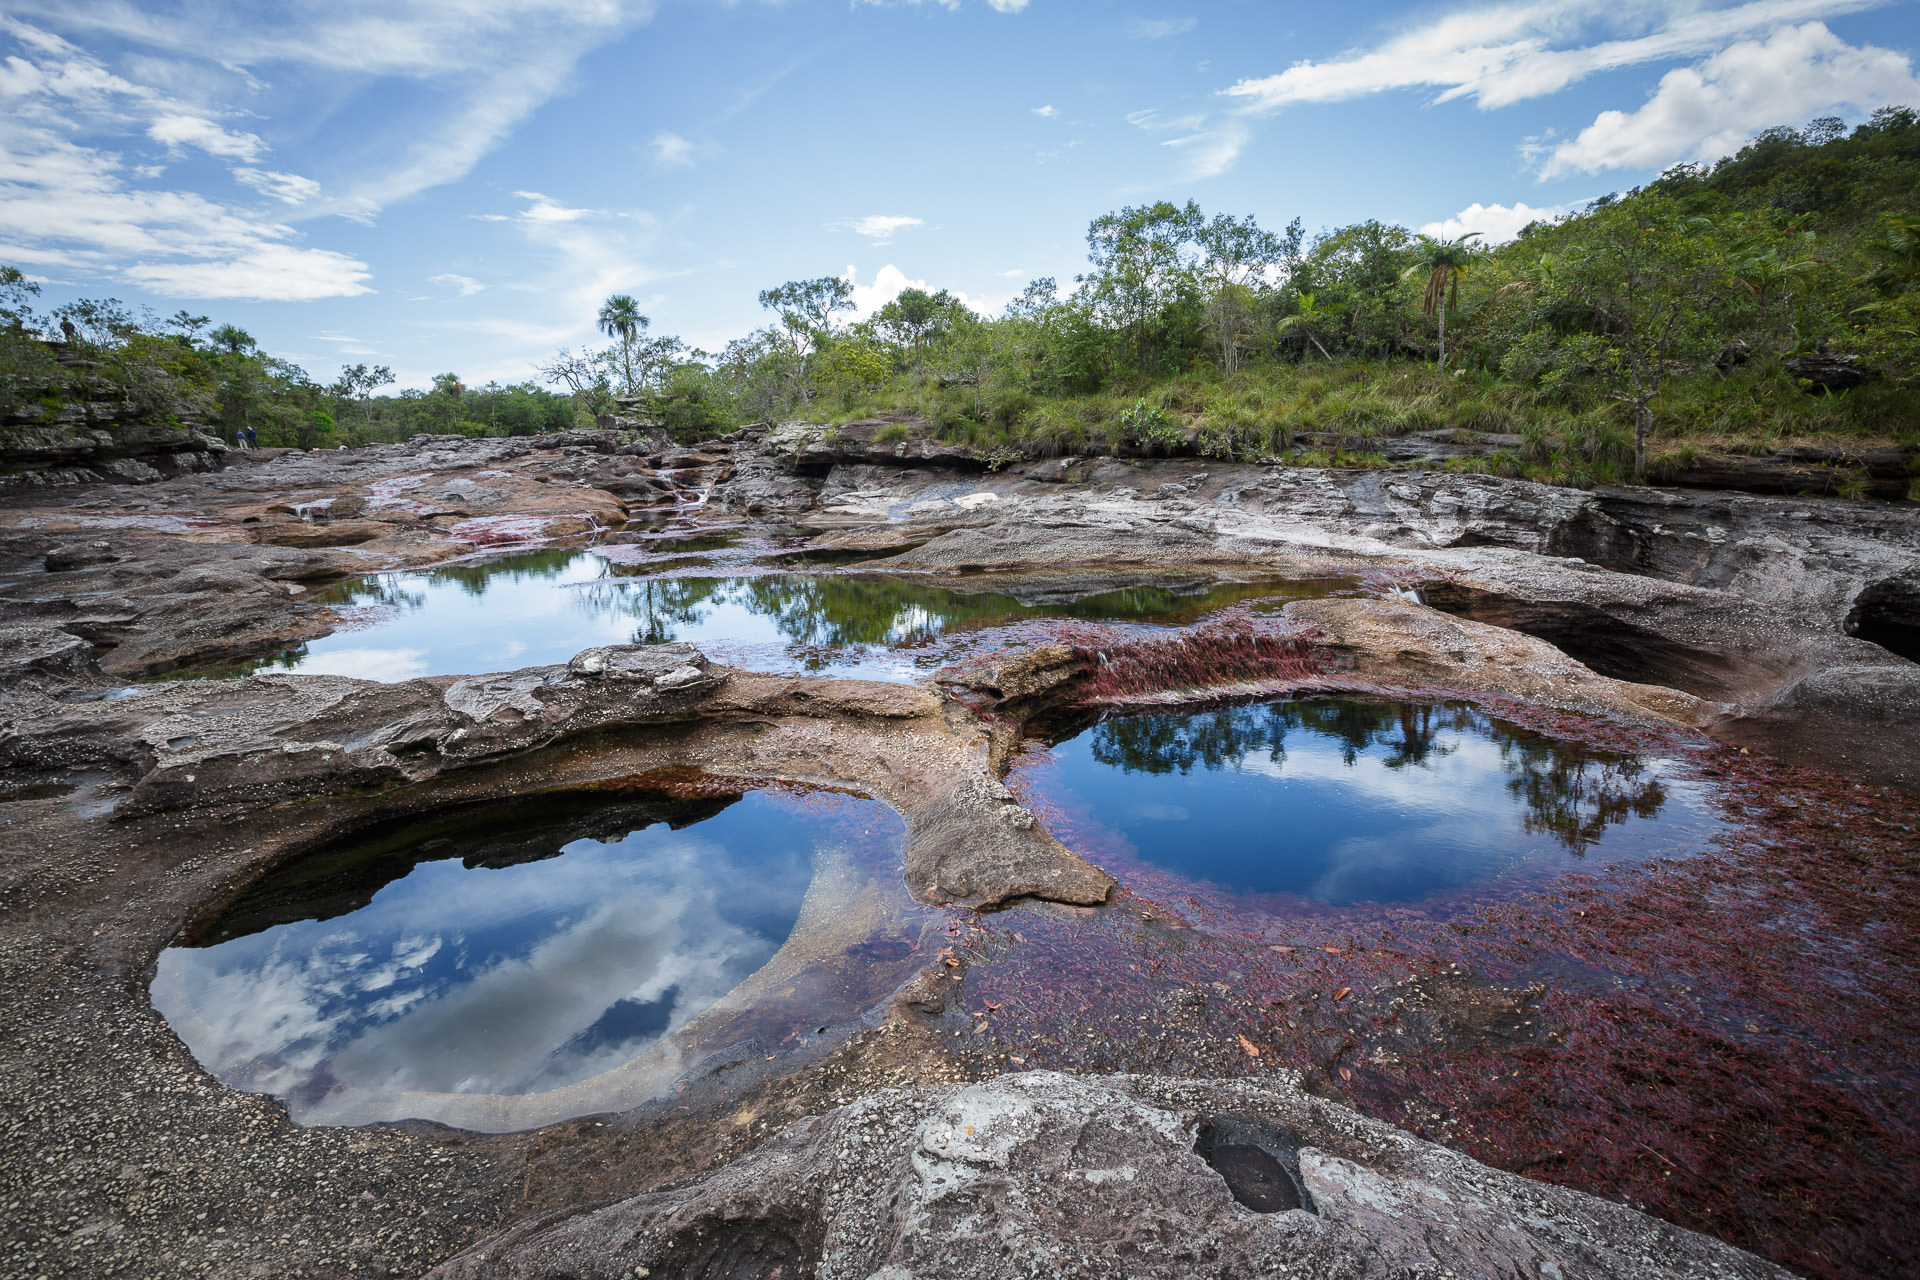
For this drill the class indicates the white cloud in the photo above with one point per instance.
(1210, 152)
(480, 67)
(288, 188)
(388, 666)
(671, 151)
(1007, 6)
(1160, 28)
(880, 227)
(1496, 223)
(1047, 112)
(1207, 145)
(592, 253)
(178, 131)
(268, 273)
(65, 201)
(1509, 53)
(890, 280)
(545, 209)
(1710, 110)
(465, 286)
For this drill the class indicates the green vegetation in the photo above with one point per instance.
(107, 364)
(1770, 300)
(1625, 339)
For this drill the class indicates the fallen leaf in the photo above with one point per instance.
(1282, 950)
(1019, 937)
(1332, 951)
(980, 1029)
(1343, 993)
(1345, 1074)
(1249, 1046)
(990, 1004)
(954, 963)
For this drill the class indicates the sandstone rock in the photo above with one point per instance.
(975, 846)
(1019, 675)
(1044, 1174)
(1396, 641)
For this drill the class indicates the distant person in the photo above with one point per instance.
(71, 334)
(253, 441)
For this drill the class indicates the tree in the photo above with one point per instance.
(1647, 280)
(358, 382)
(188, 326)
(232, 339)
(806, 309)
(620, 319)
(446, 396)
(916, 318)
(1143, 261)
(1445, 264)
(1237, 259)
(16, 300)
(1309, 321)
(583, 375)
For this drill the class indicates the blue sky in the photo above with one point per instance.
(455, 186)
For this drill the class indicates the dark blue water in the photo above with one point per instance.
(422, 974)
(1341, 801)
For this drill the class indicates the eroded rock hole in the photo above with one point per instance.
(757, 1249)
(1260, 1164)
(1610, 646)
(1888, 614)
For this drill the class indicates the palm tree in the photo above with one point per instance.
(1445, 264)
(1309, 317)
(233, 338)
(620, 318)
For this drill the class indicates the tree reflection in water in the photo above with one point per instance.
(1572, 792)
(829, 611)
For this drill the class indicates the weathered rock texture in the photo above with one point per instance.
(1056, 1175)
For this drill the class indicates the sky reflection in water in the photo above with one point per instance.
(512, 979)
(1339, 801)
(543, 607)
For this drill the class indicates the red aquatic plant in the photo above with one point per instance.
(1227, 653)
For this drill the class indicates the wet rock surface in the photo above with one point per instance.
(1776, 624)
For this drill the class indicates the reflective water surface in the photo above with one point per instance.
(1330, 802)
(525, 964)
(545, 606)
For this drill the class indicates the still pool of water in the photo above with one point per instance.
(1331, 802)
(515, 967)
(543, 607)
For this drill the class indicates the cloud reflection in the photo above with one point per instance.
(499, 980)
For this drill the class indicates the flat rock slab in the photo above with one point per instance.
(1046, 1174)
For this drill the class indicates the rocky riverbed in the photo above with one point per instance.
(1620, 1073)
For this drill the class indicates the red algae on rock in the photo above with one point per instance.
(1726, 1039)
